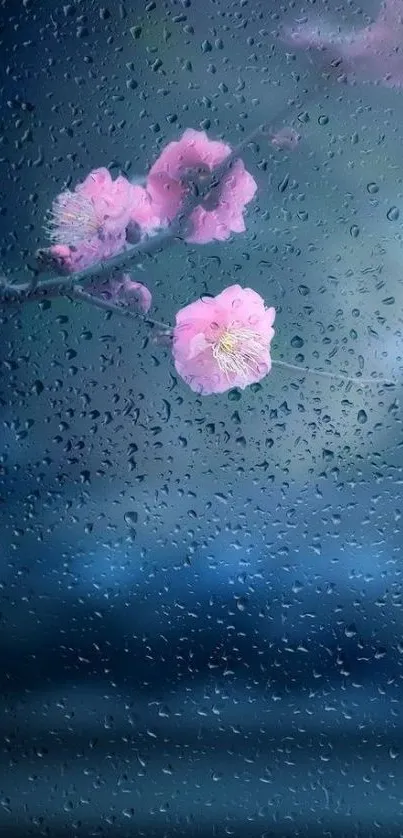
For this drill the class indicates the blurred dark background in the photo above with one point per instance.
(201, 599)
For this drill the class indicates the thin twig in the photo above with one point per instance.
(27, 291)
(337, 376)
(79, 294)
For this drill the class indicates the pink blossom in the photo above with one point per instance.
(194, 152)
(124, 291)
(98, 208)
(96, 220)
(196, 155)
(134, 293)
(373, 53)
(223, 342)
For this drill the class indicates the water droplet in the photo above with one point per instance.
(362, 417)
(297, 342)
(354, 231)
(131, 518)
(323, 119)
(372, 188)
(393, 214)
(37, 388)
(380, 653)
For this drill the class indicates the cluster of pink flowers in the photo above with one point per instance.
(102, 217)
(217, 343)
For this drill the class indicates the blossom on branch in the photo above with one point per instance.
(223, 342)
(189, 162)
(97, 220)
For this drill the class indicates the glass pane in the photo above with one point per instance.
(201, 450)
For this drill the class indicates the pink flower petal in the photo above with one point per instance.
(136, 294)
(166, 194)
(193, 149)
(143, 211)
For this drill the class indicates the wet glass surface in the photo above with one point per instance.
(200, 601)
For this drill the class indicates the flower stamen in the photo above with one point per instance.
(73, 220)
(238, 352)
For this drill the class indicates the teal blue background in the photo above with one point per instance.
(201, 628)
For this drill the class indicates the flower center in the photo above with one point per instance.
(239, 351)
(73, 220)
